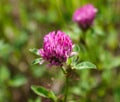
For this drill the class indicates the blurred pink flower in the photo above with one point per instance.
(84, 16)
(57, 47)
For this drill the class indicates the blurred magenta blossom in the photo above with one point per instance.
(57, 47)
(84, 16)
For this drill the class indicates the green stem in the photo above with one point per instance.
(66, 83)
(66, 89)
(83, 39)
(64, 71)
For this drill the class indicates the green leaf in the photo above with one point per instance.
(35, 51)
(41, 91)
(38, 60)
(4, 73)
(73, 60)
(17, 81)
(5, 50)
(69, 61)
(76, 48)
(85, 65)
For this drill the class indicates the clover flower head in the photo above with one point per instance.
(84, 16)
(57, 47)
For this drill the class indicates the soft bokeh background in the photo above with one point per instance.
(23, 23)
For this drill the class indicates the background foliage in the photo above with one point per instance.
(23, 24)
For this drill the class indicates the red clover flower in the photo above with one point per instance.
(84, 16)
(57, 47)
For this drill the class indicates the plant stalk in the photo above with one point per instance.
(66, 88)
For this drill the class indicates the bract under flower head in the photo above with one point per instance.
(84, 16)
(57, 47)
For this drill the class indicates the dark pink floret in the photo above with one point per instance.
(84, 16)
(57, 47)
